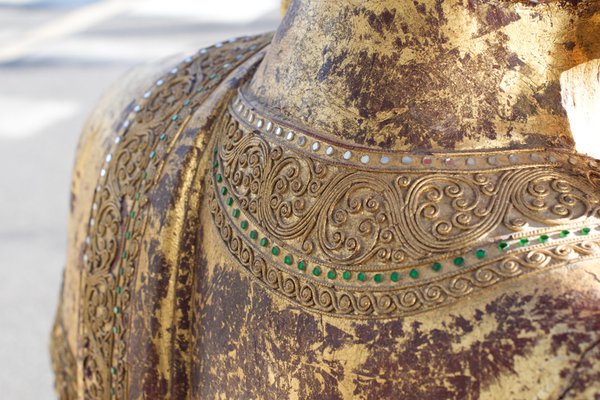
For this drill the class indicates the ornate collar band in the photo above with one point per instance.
(312, 144)
(357, 232)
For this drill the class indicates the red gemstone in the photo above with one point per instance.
(427, 160)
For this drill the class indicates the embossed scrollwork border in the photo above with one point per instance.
(392, 303)
(254, 151)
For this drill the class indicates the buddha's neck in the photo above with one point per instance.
(428, 74)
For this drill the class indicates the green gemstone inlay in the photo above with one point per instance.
(586, 231)
(174, 117)
(564, 233)
(145, 175)
(118, 289)
(236, 213)
(264, 242)
(121, 271)
(187, 102)
(223, 190)
(152, 154)
(216, 164)
(127, 235)
(213, 76)
(413, 273)
(132, 214)
(301, 265)
(115, 329)
(347, 275)
(138, 195)
(543, 238)
(219, 178)
(361, 276)
(503, 245)
(116, 310)
(316, 271)
(436, 267)
(253, 235)
(331, 274)
(230, 201)
(200, 89)
(523, 241)
(378, 278)
(113, 371)
(395, 276)
(459, 261)
(163, 137)
(480, 253)
(244, 225)
(288, 260)
(124, 254)
(275, 250)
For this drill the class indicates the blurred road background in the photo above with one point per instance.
(56, 58)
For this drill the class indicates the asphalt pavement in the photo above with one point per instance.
(56, 58)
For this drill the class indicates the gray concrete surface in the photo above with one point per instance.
(45, 95)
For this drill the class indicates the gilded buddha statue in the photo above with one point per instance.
(381, 200)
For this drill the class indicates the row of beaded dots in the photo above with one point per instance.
(333, 274)
(267, 126)
(152, 155)
(130, 225)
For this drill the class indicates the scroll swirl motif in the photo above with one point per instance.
(112, 201)
(116, 226)
(354, 219)
(352, 216)
(387, 303)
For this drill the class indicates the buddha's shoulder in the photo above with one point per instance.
(154, 92)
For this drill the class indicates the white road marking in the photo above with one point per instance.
(17, 2)
(207, 11)
(24, 117)
(73, 22)
(110, 50)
